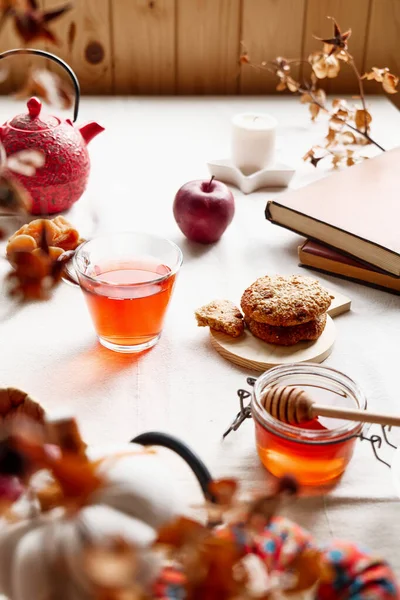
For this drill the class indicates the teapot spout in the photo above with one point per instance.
(90, 130)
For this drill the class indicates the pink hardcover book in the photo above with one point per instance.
(356, 211)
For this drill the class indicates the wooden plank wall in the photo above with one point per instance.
(193, 46)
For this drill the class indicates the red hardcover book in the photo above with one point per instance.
(320, 257)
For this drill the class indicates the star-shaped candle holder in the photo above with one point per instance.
(275, 176)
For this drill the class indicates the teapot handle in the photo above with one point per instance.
(55, 59)
(203, 475)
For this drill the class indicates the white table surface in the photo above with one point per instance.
(150, 148)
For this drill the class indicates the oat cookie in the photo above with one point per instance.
(287, 336)
(221, 315)
(285, 301)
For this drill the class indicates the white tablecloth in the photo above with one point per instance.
(149, 149)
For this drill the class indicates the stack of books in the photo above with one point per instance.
(351, 220)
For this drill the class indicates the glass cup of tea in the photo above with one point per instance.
(127, 280)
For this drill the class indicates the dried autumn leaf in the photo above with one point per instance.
(26, 162)
(336, 122)
(292, 84)
(348, 137)
(306, 98)
(49, 86)
(331, 137)
(179, 532)
(314, 110)
(320, 95)
(362, 119)
(223, 490)
(218, 558)
(343, 55)
(309, 154)
(339, 103)
(388, 80)
(376, 74)
(324, 65)
(342, 113)
(390, 83)
(76, 477)
(337, 160)
(281, 86)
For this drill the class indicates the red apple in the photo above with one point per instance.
(203, 210)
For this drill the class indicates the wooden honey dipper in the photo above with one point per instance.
(292, 405)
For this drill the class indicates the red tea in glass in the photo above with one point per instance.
(128, 297)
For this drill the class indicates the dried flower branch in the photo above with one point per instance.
(30, 22)
(326, 63)
(48, 86)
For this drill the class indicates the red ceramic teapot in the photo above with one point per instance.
(64, 176)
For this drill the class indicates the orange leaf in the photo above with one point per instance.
(281, 86)
(348, 137)
(389, 83)
(309, 154)
(305, 98)
(331, 137)
(224, 490)
(324, 65)
(292, 84)
(320, 96)
(376, 74)
(339, 103)
(342, 113)
(362, 119)
(179, 532)
(336, 161)
(336, 123)
(314, 110)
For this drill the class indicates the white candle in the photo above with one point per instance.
(253, 141)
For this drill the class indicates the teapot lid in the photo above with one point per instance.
(33, 121)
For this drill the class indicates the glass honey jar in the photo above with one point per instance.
(317, 452)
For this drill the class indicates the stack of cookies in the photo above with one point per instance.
(277, 309)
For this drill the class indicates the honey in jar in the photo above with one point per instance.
(316, 452)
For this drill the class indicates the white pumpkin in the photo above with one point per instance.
(138, 496)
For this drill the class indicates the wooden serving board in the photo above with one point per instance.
(252, 353)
